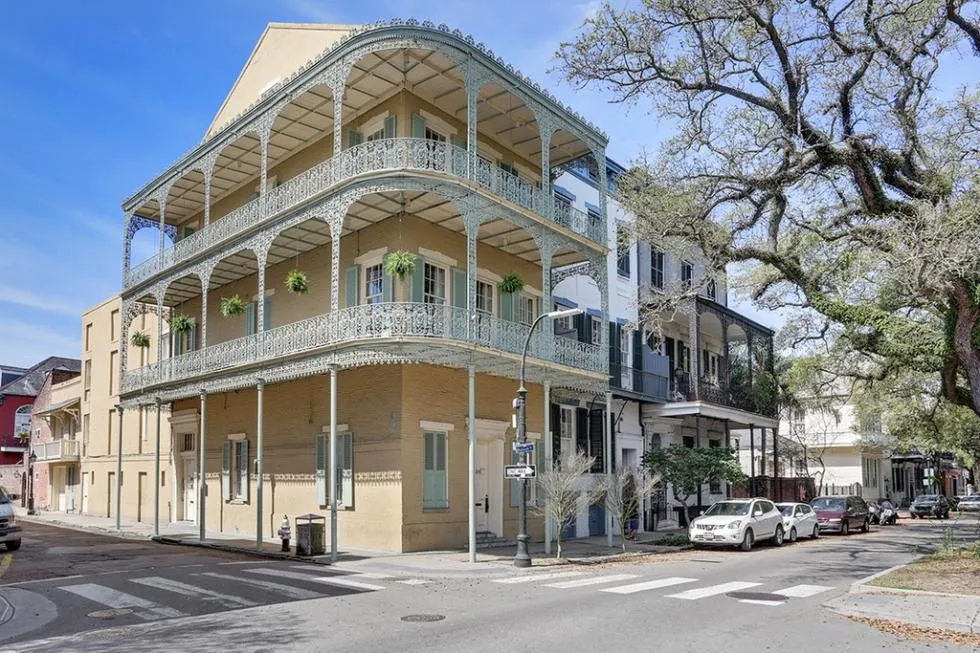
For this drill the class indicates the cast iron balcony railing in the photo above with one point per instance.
(385, 321)
(375, 156)
(639, 381)
(753, 399)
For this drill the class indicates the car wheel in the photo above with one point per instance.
(816, 531)
(866, 527)
(845, 529)
(792, 534)
(779, 537)
(13, 545)
(748, 540)
(911, 515)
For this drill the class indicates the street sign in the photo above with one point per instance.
(525, 447)
(519, 471)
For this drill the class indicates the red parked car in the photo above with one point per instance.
(842, 514)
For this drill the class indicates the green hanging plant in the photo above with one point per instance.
(297, 282)
(400, 264)
(181, 323)
(511, 283)
(233, 305)
(140, 340)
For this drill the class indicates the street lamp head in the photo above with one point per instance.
(568, 312)
(32, 457)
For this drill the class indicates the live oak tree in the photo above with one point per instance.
(688, 469)
(816, 153)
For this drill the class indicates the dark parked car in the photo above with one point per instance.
(930, 505)
(842, 514)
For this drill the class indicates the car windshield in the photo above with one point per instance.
(927, 497)
(887, 504)
(727, 508)
(786, 510)
(3, 496)
(827, 503)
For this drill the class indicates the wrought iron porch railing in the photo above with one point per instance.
(748, 398)
(366, 322)
(375, 156)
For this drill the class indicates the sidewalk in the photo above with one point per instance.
(956, 612)
(491, 562)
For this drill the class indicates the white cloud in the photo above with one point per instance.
(41, 302)
(311, 10)
(24, 343)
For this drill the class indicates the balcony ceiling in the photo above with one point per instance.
(308, 119)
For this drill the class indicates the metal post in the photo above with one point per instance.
(752, 459)
(156, 475)
(333, 464)
(202, 488)
(697, 445)
(608, 427)
(728, 446)
(119, 441)
(471, 454)
(778, 491)
(523, 557)
(259, 519)
(548, 462)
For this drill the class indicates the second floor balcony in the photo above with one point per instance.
(57, 451)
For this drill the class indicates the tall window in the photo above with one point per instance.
(239, 471)
(373, 284)
(526, 310)
(563, 324)
(435, 285)
(484, 297)
(114, 325)
(376, 136)
(626, 358)
(596, 331)
(687, 274)
(623, 252)
(712, 290)
(566, 428)
(433, 135)
(85, 433)
(435, 488)
(657, 269)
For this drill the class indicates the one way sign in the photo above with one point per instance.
(519, 471)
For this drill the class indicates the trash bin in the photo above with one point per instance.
(310, 530)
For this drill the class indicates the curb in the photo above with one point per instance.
(858, 585)
(267, 555)
(123, 535)
(939, 625)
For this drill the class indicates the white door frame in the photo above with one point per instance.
(183, 422)
(187, 457)
(85, 486)
(490, 434)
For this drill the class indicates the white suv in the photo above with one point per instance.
(9, 530)
(738, 522)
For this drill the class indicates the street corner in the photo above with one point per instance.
(23, 612)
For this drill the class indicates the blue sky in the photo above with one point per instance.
(96, 98)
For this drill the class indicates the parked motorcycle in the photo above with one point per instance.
(887, 513)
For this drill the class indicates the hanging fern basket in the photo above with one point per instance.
(297, 282)
(511, 283)
(233, 305)
(400, 264)
(181, 323)
(140, 340)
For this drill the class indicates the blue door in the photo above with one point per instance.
(597, 520)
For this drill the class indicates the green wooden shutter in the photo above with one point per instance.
(582, 430)
(417, 289)
(226, 471)
(192, 338)
(354, 137)
(418, 126)
(508, 309)
(267, 313)
(243, 470)
(387, 287)
(391, 124)
(458, 142)
(251, 319)
(350, 276)
(434, 474)
(459, 288)
(555, 434)
(345, 470)
(320, 468)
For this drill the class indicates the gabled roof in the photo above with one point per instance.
(282, 49)
(31, 383)
(10, 373)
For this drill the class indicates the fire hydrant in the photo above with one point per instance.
(284, 533)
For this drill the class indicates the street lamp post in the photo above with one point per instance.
(31, 459)
(523, 558)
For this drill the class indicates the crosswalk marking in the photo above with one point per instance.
(761, 602)
(648, 585)
(184, 589)
(595, 580)
(111, 598)
(413, 581)
(353, 574)
(803, 591)
(713, 590)
(287, 590)
(533, 577)
(329, 580)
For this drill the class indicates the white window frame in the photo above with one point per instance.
(446, 290)
(595, 331)
(524, 316)
(238, 469)
(686, 283)
(484, 283)
(566, 427)
(662, 268)
(374, 125)
(438, 125)
(436, 433)
(377, 297)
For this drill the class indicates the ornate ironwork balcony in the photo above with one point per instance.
(375, 156)
(370, 322)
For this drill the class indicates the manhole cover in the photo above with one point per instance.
(423, 618)
(756, 596)
(110, 614)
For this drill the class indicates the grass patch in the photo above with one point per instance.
(672, 540)
(954, 571)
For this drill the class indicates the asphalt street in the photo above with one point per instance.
(765, 599)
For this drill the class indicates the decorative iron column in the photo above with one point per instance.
(336, 228)
(472, 224)
(608, 464)
(471, 462)
(202, 489)
(548, 462)
(119, 443)
(259, 455)
(156, 473)
(333, 464)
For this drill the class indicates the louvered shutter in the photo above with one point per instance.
(351, 281)
(226, 471)
(320, 469)
(417, 288)
(345, 470)
(243, 475)
(391, 130)
(418, 126)
(555, 434)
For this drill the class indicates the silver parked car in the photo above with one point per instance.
(970, 503)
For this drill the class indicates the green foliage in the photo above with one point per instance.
(297, 282)
(181, 323)
(672, 539)
(231, 306)
(399, 264)
(511, 283)
(140, 339)
(687, 469)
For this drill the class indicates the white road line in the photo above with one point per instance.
(413, 581)
(803, 591)
(714, 590)
(595, 580)
(761, 602)
(287, 590)
(111, 598)
(648, 585)
(329, 580)
(529, 578)
(353, 574)
(169, 585)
